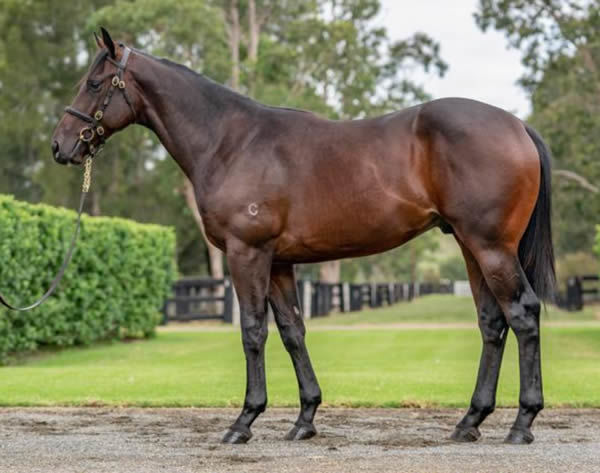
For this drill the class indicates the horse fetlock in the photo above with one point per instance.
(531, 407)
(301, 431)
(465, 434)
(255, 406)
(519, 436)
(483, 409)
(237, 434)
(311, 400)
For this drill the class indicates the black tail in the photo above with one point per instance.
(536, 251)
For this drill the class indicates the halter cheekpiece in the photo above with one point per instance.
(95, 128)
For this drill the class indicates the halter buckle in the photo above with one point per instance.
(115, 81)
(100, 130)
(121, 84)
(98, 115)
(82, 134)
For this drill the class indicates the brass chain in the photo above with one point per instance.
(87, 174)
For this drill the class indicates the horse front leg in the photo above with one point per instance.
(284, 301)
(250, 269)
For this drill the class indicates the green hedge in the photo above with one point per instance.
(114, 287)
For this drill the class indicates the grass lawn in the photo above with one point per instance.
(355, 367)
(442, 309)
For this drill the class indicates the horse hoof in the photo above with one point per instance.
(470, 434)
(519, 437)
(236, 437)
(301, 432)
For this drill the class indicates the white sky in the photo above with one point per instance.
(481, 66)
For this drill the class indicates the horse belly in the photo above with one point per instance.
(367, 224)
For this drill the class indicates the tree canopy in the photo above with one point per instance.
(560, 41)
(324, 55)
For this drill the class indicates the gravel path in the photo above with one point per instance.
(351, 440)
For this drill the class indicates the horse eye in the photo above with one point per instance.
(94, 84)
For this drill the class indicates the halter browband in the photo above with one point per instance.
(87, 133)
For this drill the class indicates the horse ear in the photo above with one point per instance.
(108, 42)
(98, 41)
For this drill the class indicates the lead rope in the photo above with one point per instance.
(87, 181)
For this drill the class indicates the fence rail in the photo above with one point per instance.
(580, 290)
(200, 299)
(214, 299)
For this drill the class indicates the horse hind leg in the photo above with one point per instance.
(284, 301)
(494, 328)
(506, 279)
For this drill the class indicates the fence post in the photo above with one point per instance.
(574, 294)
(228, 302)
(373, 295)
(307, 299)
(165, 318)
(235, 312)
(345, 297)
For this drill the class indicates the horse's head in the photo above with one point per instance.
(105, 104)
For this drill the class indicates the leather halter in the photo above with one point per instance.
(87, 133)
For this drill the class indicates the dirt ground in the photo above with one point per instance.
(127, 440)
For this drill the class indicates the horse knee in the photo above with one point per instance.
(254, 338)
(292, 337)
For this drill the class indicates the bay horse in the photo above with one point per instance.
(278, 186)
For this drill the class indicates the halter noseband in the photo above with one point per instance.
(87, 133)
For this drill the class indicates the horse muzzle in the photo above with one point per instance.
(74, 157)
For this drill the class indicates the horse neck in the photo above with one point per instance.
(197, 120)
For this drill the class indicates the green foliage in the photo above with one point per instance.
(399, 264)
(114, 287)
(597, 248)
(328, 56)
(560, 41)
(454, 269)
(575, 264)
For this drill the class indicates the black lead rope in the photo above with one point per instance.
(61, 272)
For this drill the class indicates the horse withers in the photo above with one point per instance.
(277, 186)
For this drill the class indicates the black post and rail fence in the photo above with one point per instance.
(581, 290)
(214, 299)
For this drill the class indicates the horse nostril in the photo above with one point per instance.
(55, 147)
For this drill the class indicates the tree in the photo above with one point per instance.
(560, 41)
(38, 66)
(321, 55)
